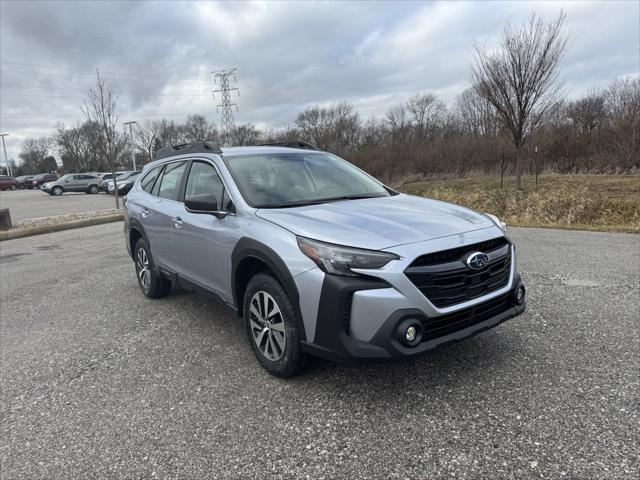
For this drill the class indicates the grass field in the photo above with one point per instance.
(586, 202)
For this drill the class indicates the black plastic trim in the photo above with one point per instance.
(331, 339)
(332, 343)
(291, 144)
(251, 248)
(196, 147)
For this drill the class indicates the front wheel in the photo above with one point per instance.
(57, 191)
(272, 327)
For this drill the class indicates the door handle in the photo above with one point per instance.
(177, 222)
(144, 212)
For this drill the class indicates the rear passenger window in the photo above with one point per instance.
(149, 179)
(170, 181)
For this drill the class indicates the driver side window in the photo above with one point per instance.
(204, 184)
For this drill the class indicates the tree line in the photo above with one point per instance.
(514, 118)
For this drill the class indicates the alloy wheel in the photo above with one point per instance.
(142, 266)
(267, 326)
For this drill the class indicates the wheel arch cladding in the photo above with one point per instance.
(136, 232)
(250, 257)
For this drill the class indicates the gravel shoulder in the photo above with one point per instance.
(100, 382)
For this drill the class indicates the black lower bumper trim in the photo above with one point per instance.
(333, 343)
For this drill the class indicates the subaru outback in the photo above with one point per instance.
(318, 257)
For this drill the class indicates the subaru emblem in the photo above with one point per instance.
(477, 260)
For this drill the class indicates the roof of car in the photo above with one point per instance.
(210, 148)
(261, 149)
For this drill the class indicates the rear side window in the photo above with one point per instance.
(170, 181)
(149, 179)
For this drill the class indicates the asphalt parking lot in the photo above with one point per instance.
(25, 204)
(99, 382)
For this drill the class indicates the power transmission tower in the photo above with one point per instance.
(222, 78)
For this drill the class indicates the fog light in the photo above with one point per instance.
(520, 295)
(410, 334)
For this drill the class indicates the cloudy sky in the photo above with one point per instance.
(157, 56)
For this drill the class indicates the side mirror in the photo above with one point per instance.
(207, 204)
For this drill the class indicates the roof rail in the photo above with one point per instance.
(195, 147)
(291, 144)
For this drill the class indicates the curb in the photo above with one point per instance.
(56, 227)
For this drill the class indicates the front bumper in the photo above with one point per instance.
(363, 318)
(335, 340)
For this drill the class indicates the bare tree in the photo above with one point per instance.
(622, 99)
(427, 113)
(34, 151)
(242, 135)
(476, 114)
(198, 129)
(520, 79)
(100, 109)
(145, 136)
(399, 123)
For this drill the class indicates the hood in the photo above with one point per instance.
(377, 223)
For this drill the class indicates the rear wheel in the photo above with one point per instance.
(93, 189)
(151, 283)
(272, 327)
(57, 191)
(12, 187)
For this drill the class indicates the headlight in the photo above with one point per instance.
(339, 260)
(498, 222)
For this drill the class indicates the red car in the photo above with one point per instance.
(38, 180)
(8, 183)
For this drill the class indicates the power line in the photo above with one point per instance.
(69, 115)
(221, 78)
(106, 74)
(199, 95)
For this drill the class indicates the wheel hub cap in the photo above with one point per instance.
(267, 325)
(144, 272)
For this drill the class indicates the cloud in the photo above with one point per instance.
(157, 56)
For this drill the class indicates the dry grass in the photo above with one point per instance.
(586, 202)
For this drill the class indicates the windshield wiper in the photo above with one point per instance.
(318, 201)
(354, 197)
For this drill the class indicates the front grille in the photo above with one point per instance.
(452, 322)
(444, 278)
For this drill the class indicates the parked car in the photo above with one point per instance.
(124, 186)
(38, 180)
(8, 183)
(108, 178)
(121, 178)
(72, 182)
(318, 257)
(22, 179)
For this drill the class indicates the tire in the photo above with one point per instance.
(275, 340)
(151, 284)
(93, 189)
(12, 187)
(57, 191)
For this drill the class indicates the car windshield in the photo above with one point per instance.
(281, 180)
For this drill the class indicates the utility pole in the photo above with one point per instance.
(221, 78)
(6, 159)
(133, 153)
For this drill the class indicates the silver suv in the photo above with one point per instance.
(318, 257)
(72, 182)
